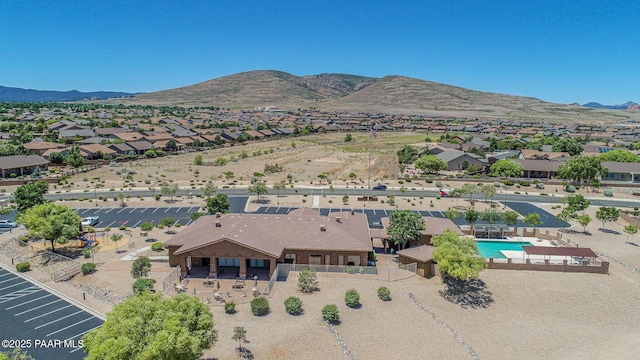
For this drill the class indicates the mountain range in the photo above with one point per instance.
(29, 95)
(625, 106)
(354, 93)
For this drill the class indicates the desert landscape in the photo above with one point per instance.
(505, 315)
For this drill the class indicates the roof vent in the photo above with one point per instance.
(323, 228)
(338, 219)
(218, 224)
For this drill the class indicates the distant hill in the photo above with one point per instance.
(259, 88)
(28, 95)
(624, 106)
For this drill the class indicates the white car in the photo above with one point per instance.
(90, 221)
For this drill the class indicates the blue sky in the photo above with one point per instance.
(556, 51)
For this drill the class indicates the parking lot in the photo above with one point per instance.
(40, 322)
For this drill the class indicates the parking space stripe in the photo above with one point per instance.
(108, 211)
(58, 319)
(27, 302)
(4, 288)
(136, 224)
(155, 210)
(180, 208)
(190, 221)
(84, 211)
(35, 308)
(23, 292)
(166, 210)
(51, 312)
(123, 209)
(111, 224)
(70, 326)
(4, 274)
(132, 210)
(82, 333)
(143, 210)
(3, 281)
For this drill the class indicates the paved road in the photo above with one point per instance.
(46, 325)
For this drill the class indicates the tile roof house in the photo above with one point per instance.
(433, 226)
(21, 164)
(238, 242)
(39, 147)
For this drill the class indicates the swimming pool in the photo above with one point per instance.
(491, 249)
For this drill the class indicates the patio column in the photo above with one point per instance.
(213, 266)
(243, 268)
(183, 266)
(272, 266)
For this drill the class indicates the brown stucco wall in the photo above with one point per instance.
(422, 268)
(603, 268)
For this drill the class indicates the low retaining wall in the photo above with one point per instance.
(602, 268)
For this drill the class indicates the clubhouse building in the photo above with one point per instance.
(244, 244)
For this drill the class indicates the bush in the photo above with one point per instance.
(384, 294)
(157, 246)
(307, 281)
(230, 307)
(23, 266)
(86, 253)
(607, 192)
(352, 298)
(122, 227)
(524, 183)
(570, 189)
(330, 313)
(141, 285)
(540, 185)
(508, 182)
(260, 306)
(140, 267)
(158, 197)
(88, 268)
(293, 305)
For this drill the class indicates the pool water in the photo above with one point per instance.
(491, 249)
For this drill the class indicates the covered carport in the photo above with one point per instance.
(566, 253)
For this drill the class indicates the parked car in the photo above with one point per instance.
(8, 224)
(380, 187)
(90, 221)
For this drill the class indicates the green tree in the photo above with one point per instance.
(258, 188)
(116, 238)
(576, 203)
(169, 189)
(218, 204)
(407, 154)
(469, 189)
(56, 158)
(240, 334)
(488, 190)
(278, 186)
(348, 138)
(146, 326)
(490, 216)
(452, 214)
(510, 218)
(30, 194)
(630, 230)
(430, 164)
(405, 226)
(141, 285)
(140, 267)
(457, 256)
(567, 144)
(532, 219)
(506, 168)
(197, 160)
(607, 214)
(146, 227)
(471, 217)
(584, 220)
(74, 158)
(228, 175)
(171, 145)
(582, 169)
(617, 155)
(56, 223)
(209, 189)
(15, 354)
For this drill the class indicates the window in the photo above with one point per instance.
(315, 259)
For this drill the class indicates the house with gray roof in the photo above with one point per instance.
(21, 164)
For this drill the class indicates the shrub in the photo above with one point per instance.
(508, 182)
(157, 246)
(293, 305)
(540, 185)
(384, 294)
(86, 252)
(23, 266)
(88, 268)
(330, 313)
(230, 307)
(24, 239)
(352, 298)
(260, 306)
(140, 267)
(607, 192)
(524, 183)
(122, 227)
(141, 285)
(308, 281)
(158, 197)
(570, 189)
